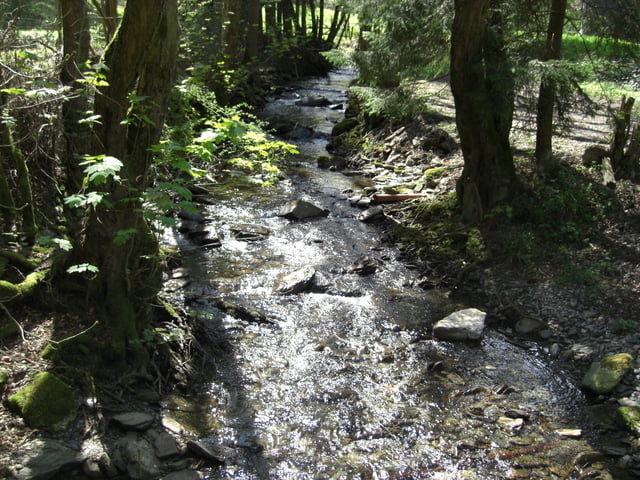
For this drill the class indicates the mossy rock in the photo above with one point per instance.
(630, 417)
(9, 331)
(604, 375)
(4, 377)
(344, 126)
(44, 403)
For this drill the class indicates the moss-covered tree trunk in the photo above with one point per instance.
(483, 90)
(11, 155)
(132, 108)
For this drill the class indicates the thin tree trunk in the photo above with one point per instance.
(76, 45)
(254, 31)
(621, 129)
(546, 97)
(16, 159)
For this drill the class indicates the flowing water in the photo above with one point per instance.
(344, 381)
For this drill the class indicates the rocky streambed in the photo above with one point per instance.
(328, 357)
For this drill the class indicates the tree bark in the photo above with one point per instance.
(483, 91)
(621, 163)
(76, 42)
(546, 97)
(14, 157)
(132, 108)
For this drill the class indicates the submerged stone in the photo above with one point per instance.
(300, 209)
(297, 281)
(467, 324)
(371, 215)
(603, 376)
(212, 451)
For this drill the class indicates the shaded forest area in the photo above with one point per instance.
(113, 112)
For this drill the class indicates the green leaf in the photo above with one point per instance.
(123, 236)
(83, 200)
(14, 91)
(83, 267)
(99, 171)
(63, 244)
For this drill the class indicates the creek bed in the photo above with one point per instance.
(345, 381)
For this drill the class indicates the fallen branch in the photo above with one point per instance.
(395, 197)
(14, 321)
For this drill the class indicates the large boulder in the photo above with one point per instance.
(467, 324)
(603, 376)
(47, 401)
(301, 209)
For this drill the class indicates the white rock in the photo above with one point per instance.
(467, 324)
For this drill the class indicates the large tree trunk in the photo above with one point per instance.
(546, 97)
(132, 108)
(483, 90)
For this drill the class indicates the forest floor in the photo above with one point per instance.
(585, 295)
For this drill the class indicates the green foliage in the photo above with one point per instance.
(401, 40)
(393, 105)
(227, 140)
(566, 208)
(159, 335)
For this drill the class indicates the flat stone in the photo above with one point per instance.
(164, 444)
(467, 324)
(249, 233)
(183, 475)
(135, 421)
(301, 209)
(173, 425)
(43, 458)
(603, 376)
(211, 451)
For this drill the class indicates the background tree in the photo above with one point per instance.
(547, 94)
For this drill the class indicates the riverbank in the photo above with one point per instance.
(571, 287)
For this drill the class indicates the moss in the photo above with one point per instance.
(4, 377)
(432, 175)
(630, 417)
(47, 401)
(16, 291)
(604, 375)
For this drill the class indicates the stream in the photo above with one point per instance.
(344, 380)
